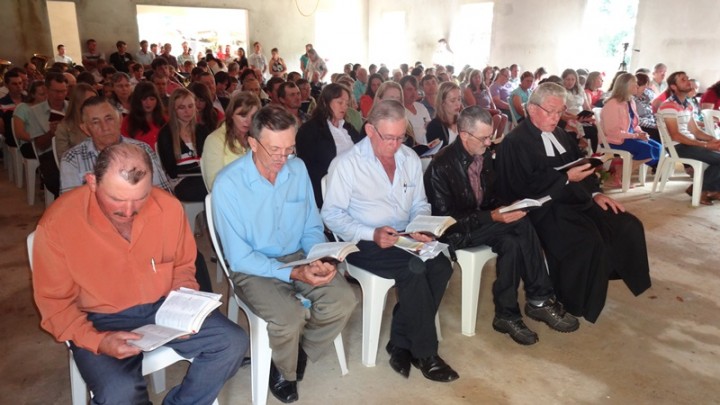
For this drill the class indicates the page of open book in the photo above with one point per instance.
(185, 310)
(434, 225)
(154, 336)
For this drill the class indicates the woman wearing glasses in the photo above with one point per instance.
(326, 134)
(180, 145)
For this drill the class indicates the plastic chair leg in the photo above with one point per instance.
(697, 183)
(157, 380)
(642, 174)
(340, 349)
(627, 164)
(78, 388)
(374, 295)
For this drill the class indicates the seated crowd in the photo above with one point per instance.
(389, 145)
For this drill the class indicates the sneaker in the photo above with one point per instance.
(553, 314)
(517, 330)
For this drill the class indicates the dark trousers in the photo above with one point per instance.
(191, 189)
(520, 257)
(48, 169)
(217, 349)
(420, 286)
(711, 178)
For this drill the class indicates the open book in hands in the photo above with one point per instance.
(423, 250)
(182, 313)
(525, 204)
(429, 225)
(594, 161)
(328, 251)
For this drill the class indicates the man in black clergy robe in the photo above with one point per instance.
(588, 237)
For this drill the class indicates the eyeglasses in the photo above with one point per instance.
(279, 156)
(482, 139)
(390, 139)
(558, 113)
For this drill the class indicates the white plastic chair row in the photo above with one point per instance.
(260, 350)
(666, 166)
(627, 160)
(153, 364)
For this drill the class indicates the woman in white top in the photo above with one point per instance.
(417, 114)
(577, 101)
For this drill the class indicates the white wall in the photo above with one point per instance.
(683, 35)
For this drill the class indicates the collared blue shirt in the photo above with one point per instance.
(360, 196)
(258, 221)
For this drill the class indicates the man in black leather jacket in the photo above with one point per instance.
(460, 183)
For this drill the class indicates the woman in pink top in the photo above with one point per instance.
(619, 120)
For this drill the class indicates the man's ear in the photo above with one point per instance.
(84, 128)
(91, 181)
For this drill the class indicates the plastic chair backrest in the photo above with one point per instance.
(213, 235)
(667, 141)
(598, 123)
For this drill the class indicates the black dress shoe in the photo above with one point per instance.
(434, 368)
(284, 390)
(399, 359)
(301, 364)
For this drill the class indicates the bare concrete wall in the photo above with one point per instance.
(25, 30)
(683, 35)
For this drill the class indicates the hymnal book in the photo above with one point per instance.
(423, 250)
(594, 162)
(429, 225)
(182, 313)
(525, 204)
(56, 115)
(328, 251)
(433, 148)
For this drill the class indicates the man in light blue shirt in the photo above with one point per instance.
(373, 192)
(265, 215)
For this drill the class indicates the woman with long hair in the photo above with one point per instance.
(207, 114)
(180, 146)
(366, 100)
(121, 91)
(229, 142)
(242, 59)
(68, 132)
(146, 115)
(449, 105)
(576, 101)
(619, 120)
(488, 76)
(326, 134)
(478, 93)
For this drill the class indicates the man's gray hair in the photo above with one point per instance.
(386, 110)
(470, 117)
(272, 117)
(546, 90)
(123, 158)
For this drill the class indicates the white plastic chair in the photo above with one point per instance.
(666, 166)
(605, 147)
(374, 289)
(709, 117)
(30, 166)
(153, 364)
(472, 261)
(260, 350)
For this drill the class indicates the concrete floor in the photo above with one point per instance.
(661, 348)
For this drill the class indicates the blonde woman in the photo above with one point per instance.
(180, 146)
(229, 142)
(449, 105)
(68, 132)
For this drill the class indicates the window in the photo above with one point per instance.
(471, 34)
(201, 28)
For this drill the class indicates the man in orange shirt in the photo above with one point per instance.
(106, 255)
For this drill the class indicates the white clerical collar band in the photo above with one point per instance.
(549, 141)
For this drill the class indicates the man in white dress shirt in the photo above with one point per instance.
(374, 191)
